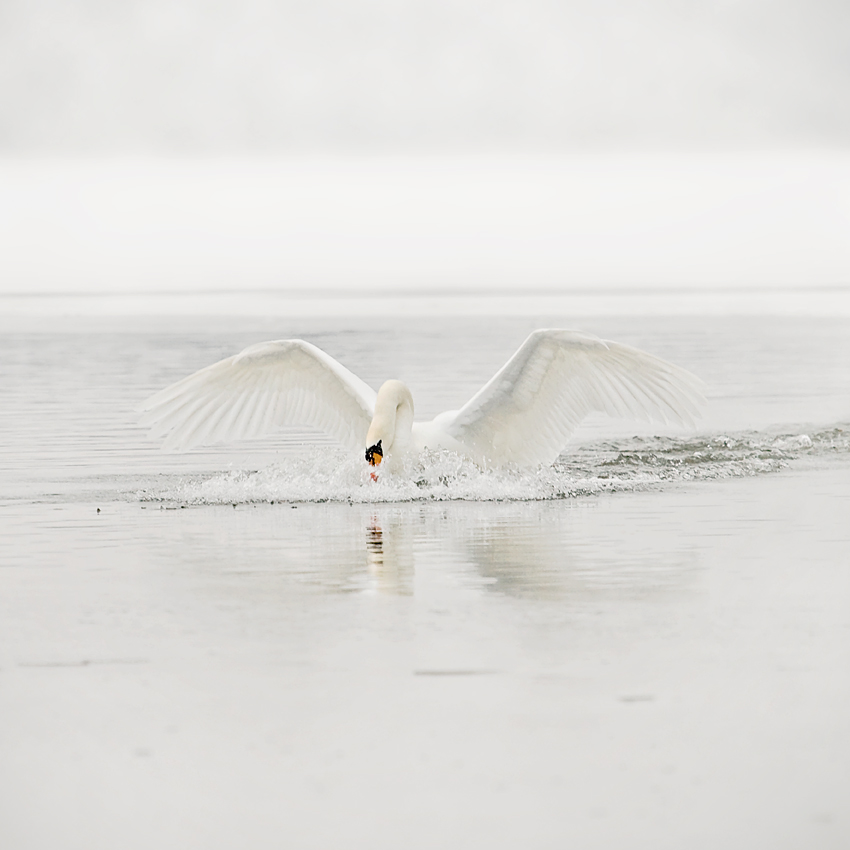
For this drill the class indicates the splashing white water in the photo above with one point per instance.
(323, 475)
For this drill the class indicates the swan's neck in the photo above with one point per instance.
(393, 419)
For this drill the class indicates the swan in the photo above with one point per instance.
(524, 415)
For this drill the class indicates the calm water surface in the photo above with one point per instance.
(646, 645)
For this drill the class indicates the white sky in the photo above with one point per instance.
(160, 145)
(235, 76)
(431, 223)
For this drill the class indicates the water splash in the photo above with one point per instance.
(640, 463)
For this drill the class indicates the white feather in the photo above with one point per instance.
(523, 415)
(285, 382)
(527, 411)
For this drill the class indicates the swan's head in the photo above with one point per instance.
(375, 454)
(390, 430)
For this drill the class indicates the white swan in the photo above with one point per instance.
(524, 415)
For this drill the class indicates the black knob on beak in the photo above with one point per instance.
(375, 454)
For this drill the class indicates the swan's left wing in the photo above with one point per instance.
(255, 392)
(526, 413)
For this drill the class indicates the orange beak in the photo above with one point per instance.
(374, 454)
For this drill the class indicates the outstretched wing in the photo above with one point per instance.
(527, 412)
(285, 382)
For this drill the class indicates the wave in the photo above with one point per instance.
(320, 474)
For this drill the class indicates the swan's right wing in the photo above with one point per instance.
(527, 411)
(285, 382)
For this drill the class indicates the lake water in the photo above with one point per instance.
(647, 645)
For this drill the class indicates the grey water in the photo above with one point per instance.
(645, 645)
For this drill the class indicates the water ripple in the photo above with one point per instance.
(323, 475)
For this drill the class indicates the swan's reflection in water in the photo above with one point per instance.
(555, 550)
(543, 550)
(530, 549)
(389, 554)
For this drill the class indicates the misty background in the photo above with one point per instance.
(205, 146)
(440, 75)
